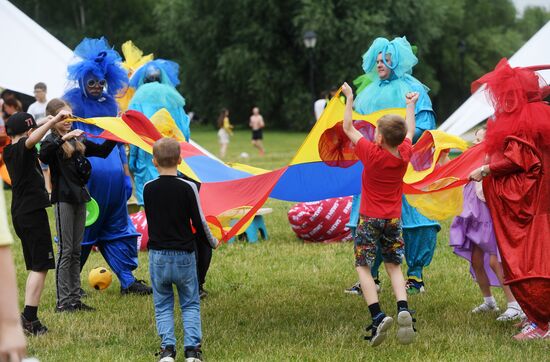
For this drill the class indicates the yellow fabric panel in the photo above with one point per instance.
(438, 205)
(119, 128)
(441, 141)
(333, 113)
(165, 124)
(5, 235)
(225, 220)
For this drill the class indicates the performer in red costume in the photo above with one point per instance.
(516, 183)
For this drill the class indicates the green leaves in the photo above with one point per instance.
(244, 53)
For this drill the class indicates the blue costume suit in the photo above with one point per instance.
(155, 84)
(419, 232)
(148, 99)
(113, 232)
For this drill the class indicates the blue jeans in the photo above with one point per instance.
(168, 267)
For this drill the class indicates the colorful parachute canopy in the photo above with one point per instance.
(324, 166)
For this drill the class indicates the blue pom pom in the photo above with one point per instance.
(97, 58)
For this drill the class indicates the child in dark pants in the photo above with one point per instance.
(28, 208)
(64, 150)
(171, 206)
(384, 165)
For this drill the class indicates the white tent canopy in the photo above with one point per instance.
(477, 108)
(33, 56)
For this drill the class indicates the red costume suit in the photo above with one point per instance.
(518, 187)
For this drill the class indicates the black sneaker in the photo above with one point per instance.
(137, 287)
(379, 328)
(167, 354)
(66, 308)
(193, 355)
(83, 307)
(34, 328)
(202, 293)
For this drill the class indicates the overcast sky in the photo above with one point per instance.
(522, 4)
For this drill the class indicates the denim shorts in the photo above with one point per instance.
(373, 233)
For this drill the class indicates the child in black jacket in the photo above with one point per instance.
(65, 152)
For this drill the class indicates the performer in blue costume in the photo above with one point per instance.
(388, 64)
(155, 83)
(99, 77)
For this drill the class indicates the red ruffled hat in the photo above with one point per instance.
(517, 96)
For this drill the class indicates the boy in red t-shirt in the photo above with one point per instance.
(384, 164)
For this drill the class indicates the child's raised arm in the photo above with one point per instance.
(41, 131)
(350, 131)
(410, 120)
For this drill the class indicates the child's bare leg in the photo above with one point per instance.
(489, 304)
(497, 268)
(34, 287)
(513, 310)
(260, 146)
(479, 269)
(397, 280)
(367, 284)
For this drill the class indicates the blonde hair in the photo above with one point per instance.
(167, 152)
(52, 109)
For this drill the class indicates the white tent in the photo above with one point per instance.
(477, 108)
(31, 54)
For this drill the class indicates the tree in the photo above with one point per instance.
(244, 53)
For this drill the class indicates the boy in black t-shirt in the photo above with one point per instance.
(28, 208)
(171, 206)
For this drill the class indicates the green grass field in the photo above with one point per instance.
(282, 300)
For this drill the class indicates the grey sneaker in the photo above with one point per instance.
(405, 330)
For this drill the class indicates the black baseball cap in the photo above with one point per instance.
(19, 122)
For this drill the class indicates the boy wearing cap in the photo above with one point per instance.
(28, 208)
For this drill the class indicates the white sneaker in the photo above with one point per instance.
(486, 308)
(511, 314)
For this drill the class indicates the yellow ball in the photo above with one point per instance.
(100, 278)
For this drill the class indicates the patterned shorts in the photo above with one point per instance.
(373, 233)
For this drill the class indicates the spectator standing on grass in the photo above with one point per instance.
(319, 105)
(38, 108)
(38, 111)
(257, 125)
(225, 130)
